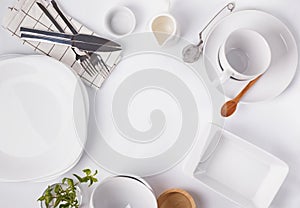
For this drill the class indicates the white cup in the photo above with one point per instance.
(164, 27)
(244, 55)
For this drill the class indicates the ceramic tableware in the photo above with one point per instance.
(244, 55)
(30, 79)
(123, 192)
(238, 170)
(164, 28)
(150, 120)
(82, 86)
(283, 51)
(176, 198)
(120, 21)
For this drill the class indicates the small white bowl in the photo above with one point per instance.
(120, 21)
(123, 192)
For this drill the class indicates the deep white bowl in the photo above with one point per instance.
(123, 192)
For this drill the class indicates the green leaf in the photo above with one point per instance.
(78, 178)
(48, 200)
(42, 198)
(96, 172)
(64, 180)
(58, 200)
(57, 188)
(70, 182)
(85, 179)
(95, 180)
(87, 171)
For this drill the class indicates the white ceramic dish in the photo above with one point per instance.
(238, 170)
(283, 50)
(120, 21)
(122, 192)
(43, 101)
(149, 114)
(83, 87)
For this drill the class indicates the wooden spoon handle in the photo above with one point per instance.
(245, 90)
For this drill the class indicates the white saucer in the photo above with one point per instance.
(46, 103)
(151, 110)
(283, 48)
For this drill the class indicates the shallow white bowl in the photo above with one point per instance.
(238, 170)
(120, 21)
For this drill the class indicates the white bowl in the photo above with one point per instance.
(120, 21)
(123, 192)
(238, 170)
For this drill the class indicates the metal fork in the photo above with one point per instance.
(93, 62)
(85, 59)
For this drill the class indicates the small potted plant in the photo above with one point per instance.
(67, 194)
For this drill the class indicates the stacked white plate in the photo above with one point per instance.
(43, 122)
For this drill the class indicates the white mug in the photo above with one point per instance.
(165, 28)
(244, 55)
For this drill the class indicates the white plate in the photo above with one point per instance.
(43, 112)
(122, 192)
(82, 86)
(238, 170)
(283, 49)
(149, 114)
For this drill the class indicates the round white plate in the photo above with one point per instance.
(283, 49)
(151, 110)
(122, 192)
(43, 122)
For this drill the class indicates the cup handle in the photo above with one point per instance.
(226, 74)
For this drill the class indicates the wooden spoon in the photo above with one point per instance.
(230, 106)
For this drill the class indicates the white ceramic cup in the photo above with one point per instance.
(165, 28)
(244, 55)
(120, 21)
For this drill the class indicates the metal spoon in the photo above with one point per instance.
(191, 53)
(230, 106)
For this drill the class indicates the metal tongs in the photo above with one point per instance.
(191, 53)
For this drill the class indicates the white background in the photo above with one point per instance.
(272, 125)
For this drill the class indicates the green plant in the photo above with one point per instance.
(64, 195)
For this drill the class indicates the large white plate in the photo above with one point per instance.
(283, 48)
(148, 115)
(44, 119)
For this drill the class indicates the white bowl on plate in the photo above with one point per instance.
(123, 192)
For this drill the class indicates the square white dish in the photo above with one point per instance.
(237, 169)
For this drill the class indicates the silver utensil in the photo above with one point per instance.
(81, 41)
(92, 63)
(84, 60)
(191, 53)
(95, 58)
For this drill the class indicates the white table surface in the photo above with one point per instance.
(272, 125)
